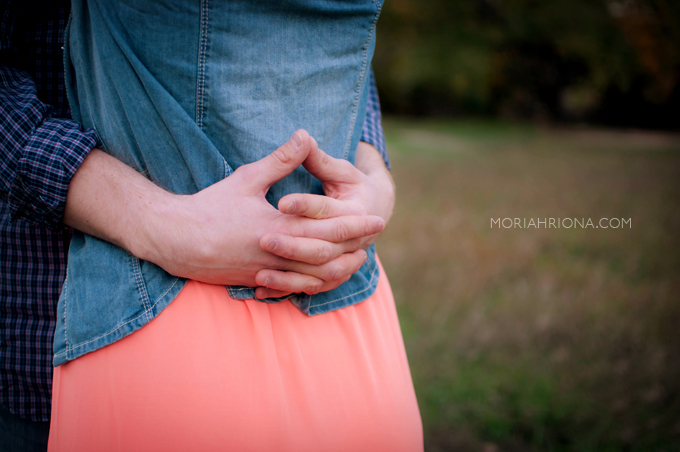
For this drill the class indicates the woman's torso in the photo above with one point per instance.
(185, 92)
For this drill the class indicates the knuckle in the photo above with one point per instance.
(264, 279)
(342, 232)
(282, 287)
(322, 255)
(302, 207)
(289, 250)
(368, 228)
(280, 156)
(279, 263)
(204, 252)
(244, 172)
(283, 225)
(313, 287)
(324, 209)
(325, 159)
(281, 284)
(354, 245)
(333, 272)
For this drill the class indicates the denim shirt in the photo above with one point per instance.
(188, 91)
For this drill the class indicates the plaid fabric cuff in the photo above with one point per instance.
(372, 132)
(50, 158)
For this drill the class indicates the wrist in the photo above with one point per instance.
(387, 191)
(153, 227)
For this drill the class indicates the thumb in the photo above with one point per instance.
(329, 169)
(263, 173)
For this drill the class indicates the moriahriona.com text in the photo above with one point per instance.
(561, 223)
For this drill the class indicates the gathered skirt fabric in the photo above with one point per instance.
(212, 373)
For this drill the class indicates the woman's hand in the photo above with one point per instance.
(364, 189)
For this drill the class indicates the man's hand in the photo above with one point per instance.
(214, 235)
(366, 189)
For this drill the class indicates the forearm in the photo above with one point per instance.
(111, 201)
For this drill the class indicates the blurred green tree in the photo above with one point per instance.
(608, 61)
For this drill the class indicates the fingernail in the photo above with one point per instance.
(272, 244)
(297, 140)
(291, 208)
(267, 281)
(365, 256)
(380, 225)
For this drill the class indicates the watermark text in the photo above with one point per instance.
(561, 223)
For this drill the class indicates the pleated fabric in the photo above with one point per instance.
(212, 373)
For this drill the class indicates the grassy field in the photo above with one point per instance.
(538, 339)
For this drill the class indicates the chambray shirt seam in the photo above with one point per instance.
(64, 316)
(362, 77)
(202, 55)
(368, 287)
(74, 348)
(139, 280)
(145, 313)
(165, 293)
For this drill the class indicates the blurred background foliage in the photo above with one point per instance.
(521, 340)
(532, 340)
(614, 62)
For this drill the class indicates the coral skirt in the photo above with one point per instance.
(212, 373)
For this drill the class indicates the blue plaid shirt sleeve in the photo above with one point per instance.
(40, 154)
(372, 132)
